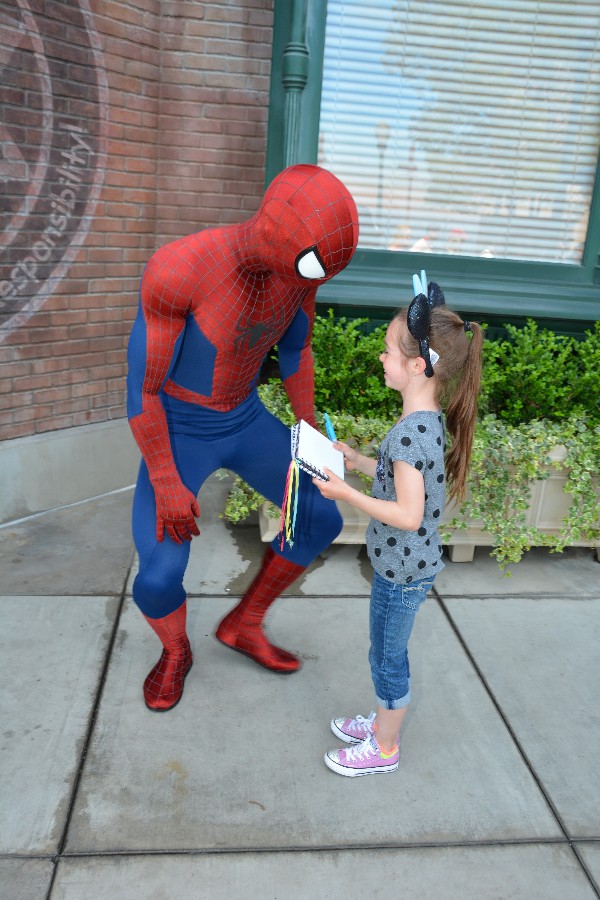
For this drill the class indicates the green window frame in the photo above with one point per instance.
(563, 296)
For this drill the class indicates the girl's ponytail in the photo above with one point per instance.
(458, 376)
(461, 415)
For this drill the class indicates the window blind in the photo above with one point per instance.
(468, 128)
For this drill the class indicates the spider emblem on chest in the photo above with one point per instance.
(257, 334)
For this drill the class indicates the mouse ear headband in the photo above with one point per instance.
(419, 317)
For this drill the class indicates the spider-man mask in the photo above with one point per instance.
(307, 225)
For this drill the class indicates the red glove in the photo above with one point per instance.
(176, 509)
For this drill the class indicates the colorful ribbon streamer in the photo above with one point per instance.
(289, 506)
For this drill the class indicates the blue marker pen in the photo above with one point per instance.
(329, 428)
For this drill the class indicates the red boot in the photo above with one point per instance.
(241, 629)
(164, 685)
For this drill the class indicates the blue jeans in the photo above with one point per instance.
(392, 615)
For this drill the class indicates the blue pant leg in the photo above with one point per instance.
(392, 616)
(158, 587)
(258, 449)
(262, 458)
(390, 627)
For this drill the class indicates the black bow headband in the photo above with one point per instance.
(419, 315)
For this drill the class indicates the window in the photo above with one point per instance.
(465, 128)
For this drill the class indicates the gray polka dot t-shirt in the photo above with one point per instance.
(405, 556)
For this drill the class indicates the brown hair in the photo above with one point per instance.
(458, 377)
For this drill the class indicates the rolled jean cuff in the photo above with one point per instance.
(394, 704)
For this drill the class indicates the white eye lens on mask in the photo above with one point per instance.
(309, 265)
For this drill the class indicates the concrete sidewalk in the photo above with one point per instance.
(227, 796)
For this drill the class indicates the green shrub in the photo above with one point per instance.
(532, 374)
(539, 390)
(348, 373)
(506, 462)
(537, 374)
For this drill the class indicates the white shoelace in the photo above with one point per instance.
(362, 724)
(363, 750)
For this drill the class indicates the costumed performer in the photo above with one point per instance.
(212, 305)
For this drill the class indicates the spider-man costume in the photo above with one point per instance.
(212, 305)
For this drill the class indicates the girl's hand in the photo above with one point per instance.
(334, 489)
(350, 455)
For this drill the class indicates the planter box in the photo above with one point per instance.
(549, 505)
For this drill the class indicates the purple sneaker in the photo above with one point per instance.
(364, 759)
(353, 731)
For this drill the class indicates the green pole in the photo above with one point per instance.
(294, 77)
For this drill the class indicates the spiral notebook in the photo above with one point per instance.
(313, 451)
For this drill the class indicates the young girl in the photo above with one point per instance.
(433, 359)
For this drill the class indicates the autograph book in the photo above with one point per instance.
(313, 451)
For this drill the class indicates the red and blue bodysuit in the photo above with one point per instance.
(212, 305)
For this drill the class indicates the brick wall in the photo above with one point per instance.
(127, 124)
